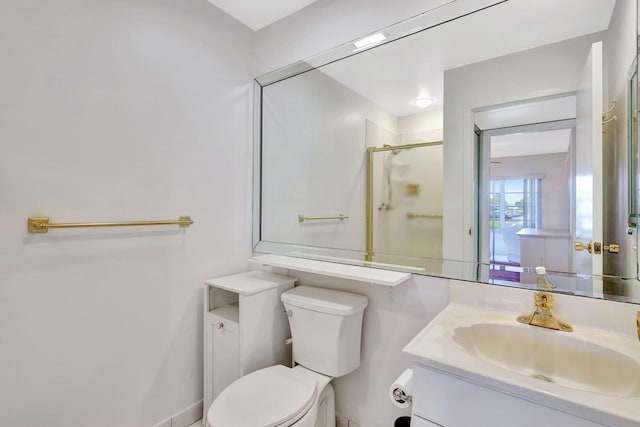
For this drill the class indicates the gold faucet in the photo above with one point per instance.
(544, 317)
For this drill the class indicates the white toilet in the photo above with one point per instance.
(326, 330)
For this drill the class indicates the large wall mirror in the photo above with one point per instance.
(478, 141)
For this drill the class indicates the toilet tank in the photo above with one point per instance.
(326, 328)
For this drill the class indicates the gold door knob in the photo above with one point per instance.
(579, 246)
(597, 247)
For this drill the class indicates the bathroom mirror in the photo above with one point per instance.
(632, 138)
(475, 141)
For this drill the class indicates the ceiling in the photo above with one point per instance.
(524, 113)
(259, 14)
(394, 74)
(530, 144)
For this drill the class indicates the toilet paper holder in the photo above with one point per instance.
(400, 396)
(400, 391)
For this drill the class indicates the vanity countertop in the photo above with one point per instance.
(444, 345)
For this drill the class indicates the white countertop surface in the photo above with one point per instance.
(250, 282)
(436, 347)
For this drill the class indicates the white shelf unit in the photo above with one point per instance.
(373, 276)
(245, 328)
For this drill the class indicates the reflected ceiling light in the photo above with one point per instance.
(369, 40)
(423, 102)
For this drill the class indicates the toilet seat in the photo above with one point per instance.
(269, 397)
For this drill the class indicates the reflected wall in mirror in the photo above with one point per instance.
(529, 163)
(632, 142)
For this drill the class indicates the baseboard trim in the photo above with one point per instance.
(184, 418)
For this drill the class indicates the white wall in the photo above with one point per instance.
(117, 110)
(421, 127)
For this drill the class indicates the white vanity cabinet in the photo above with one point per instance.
(245, 328)
(417, 421)
(549, 248)
(442, 399)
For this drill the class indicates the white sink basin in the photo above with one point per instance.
(590, 372)
(552, 356)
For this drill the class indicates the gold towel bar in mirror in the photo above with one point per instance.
(40, 224)
(303, 218)
(411, 215)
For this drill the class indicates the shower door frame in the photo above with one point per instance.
(370, 152)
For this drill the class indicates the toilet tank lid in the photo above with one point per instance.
(325, 300)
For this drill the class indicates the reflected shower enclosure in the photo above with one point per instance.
(404, 207)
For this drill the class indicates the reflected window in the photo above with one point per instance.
(513, 204)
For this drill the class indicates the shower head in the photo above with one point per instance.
(394, 152)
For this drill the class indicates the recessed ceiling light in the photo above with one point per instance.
(369, 40)
(423, 102)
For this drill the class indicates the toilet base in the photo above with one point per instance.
(322, 413)
(326, 408)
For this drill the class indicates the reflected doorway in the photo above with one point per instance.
(525, 199)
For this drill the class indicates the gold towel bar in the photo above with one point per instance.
(40, 224)
(411, 215)
(303, 218)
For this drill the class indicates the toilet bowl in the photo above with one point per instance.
(326, 329)
(276, 396)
